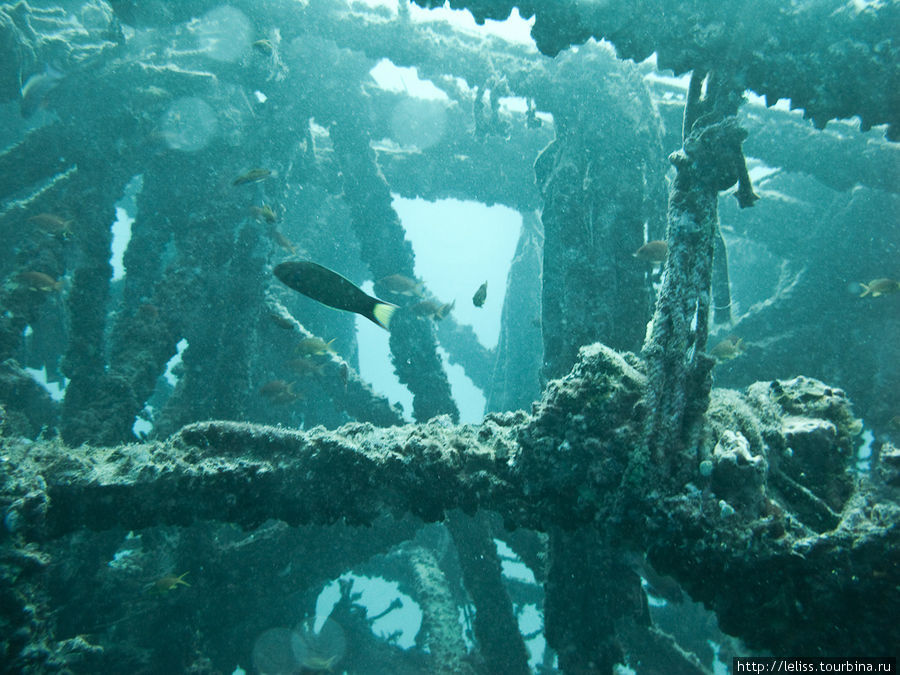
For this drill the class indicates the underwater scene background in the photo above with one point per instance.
(367, 336)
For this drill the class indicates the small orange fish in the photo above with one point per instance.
(397, 283)
(432, 309)
(280, 391)
(305, 367)
(654, 252)
(52, 225)
(38, 281)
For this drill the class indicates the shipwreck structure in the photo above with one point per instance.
(234, 136)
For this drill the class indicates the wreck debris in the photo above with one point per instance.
(413, 345)
(710, 161)
(556, 469)
(515, 382)
(694, 36)
(595, 204)
(791, 467)
(496, 628)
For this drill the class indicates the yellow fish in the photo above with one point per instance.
(727, 349)
(170, 582)
(252, 176)
(878, 287)
(264, 214)
(313, 346)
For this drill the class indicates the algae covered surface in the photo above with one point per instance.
(685, 445)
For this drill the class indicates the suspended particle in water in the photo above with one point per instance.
(418, 123)
(320, 650)
(224, 33)
(189, 124)
(273, 652)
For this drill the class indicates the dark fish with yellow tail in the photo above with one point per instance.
(480, 295)
(330, 288)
